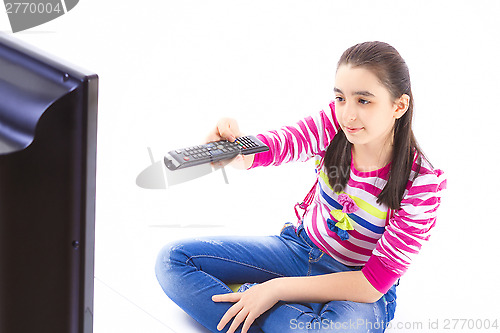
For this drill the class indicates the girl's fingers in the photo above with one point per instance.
(229, 297)
(228, 128)
(242, 314)
(212, 137)
(228, 135)
(248, 322)
(228, 315)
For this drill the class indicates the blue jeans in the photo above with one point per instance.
(191, 271)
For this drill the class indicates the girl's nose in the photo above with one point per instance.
(349, 113)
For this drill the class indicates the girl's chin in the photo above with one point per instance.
(354, 139)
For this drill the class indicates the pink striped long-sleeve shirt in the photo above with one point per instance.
(384, 242)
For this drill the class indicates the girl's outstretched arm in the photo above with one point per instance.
(249, 305)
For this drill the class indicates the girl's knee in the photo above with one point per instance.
(167, 255)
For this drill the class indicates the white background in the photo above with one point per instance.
(169, 69)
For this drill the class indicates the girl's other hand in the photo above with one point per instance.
(249, 305)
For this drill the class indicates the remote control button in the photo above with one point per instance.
(186, 158)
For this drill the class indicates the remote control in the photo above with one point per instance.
(213, 152)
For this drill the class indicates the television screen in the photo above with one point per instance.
(48, 131)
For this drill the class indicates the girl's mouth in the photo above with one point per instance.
(353, 129)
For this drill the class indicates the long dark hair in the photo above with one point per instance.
(387, 64)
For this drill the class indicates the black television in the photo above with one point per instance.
(48, 134)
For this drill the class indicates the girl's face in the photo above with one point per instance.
(365, 108)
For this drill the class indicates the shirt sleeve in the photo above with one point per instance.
(307, 138)
(408, 229)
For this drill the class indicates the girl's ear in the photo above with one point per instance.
(402, 105)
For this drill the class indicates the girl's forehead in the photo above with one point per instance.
(351, 79)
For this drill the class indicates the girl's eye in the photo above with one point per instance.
(339, 99)
(363, 101)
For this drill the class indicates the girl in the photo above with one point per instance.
(372, 207)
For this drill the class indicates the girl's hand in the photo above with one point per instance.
(249, 306)
(228, 129)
